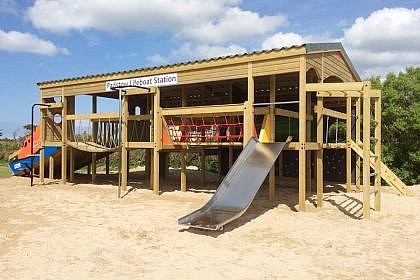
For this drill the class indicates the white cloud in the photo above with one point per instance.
(280, 40)
(200, 51)
(15, 41)
(157, 59)
(387, 40)
(204, 21)
(233, 25)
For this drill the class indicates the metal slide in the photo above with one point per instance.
(238, 188)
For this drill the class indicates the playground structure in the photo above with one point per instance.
(216, 106)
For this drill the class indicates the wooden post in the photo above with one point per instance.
(249, 108)
(366, 152)
(107, 164)
(348, 144)
(63, 138)
(378, 139)
(71, 167)
(93, 167)
(157, 139)
(183, 171)
(302, 133)
(357, 140)
(42, 143)
(203, 166)
(124, 138)
(319, 153)
(272, 174)
(51, 167)
(308, 139)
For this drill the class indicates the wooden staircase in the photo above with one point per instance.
(386, 173)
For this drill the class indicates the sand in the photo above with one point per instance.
(83, 231)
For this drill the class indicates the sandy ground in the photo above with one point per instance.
(83, 231)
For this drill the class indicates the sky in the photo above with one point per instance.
(45, 40)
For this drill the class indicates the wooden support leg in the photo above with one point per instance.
(124, 169)
(93, 168)
(51, 167)
(155, 171)
(378, 140)
(366, 153)
(357, 140)
(348, 144)
(71, 171)
(107, 165)
(64, 164)
(319, 153)
(302, 134)
(183, 171)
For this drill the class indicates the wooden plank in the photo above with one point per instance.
(139, 117)
(302, 133)
(295, 146)
(204, 110)
(334, 145)
(348, 86)
(183, 173)
(64, 139)
(140, 145)
(272, 173)
(94, 116)
(157, 140)
(319, 154)
(366, 154)
(377, 151)
(348, 146)
(358, 161)
(338, 94)
(308, 139)
(331, 113)
(51, 167)
(124, 140)
(249, 108)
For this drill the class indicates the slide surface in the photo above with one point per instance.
(238, 188)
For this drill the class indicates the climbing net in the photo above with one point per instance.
(205, 128)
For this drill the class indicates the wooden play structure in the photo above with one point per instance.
(216, 106)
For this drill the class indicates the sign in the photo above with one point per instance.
(150, 81)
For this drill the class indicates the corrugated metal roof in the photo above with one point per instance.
(310, 47)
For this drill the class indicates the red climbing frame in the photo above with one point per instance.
(205, 129)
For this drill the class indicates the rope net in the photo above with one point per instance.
(205, 129)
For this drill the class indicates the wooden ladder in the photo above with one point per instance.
(386, 173)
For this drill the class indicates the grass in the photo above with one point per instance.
(4, 170)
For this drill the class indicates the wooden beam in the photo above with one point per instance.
(366, 154)
(71, 163)
(139, 117)
(377, 151)
(331, 113)
(157, 140)
(348, 142)
(319, 153)
(204, 110)
(272, 174)
(358, 161)
(249, 108)
(183, 173)
(94, 116)
(51, 167)
(107, 164)
(334, 145)
(140, 145)
(348, 86)
(338, 93)
(295, 146)
(93, 174)
(124, 140)
(302, 133)
(64, 138)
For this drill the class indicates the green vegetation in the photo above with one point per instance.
(4, 170)
(401, 123)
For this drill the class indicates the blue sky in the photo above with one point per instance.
(54, 39)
